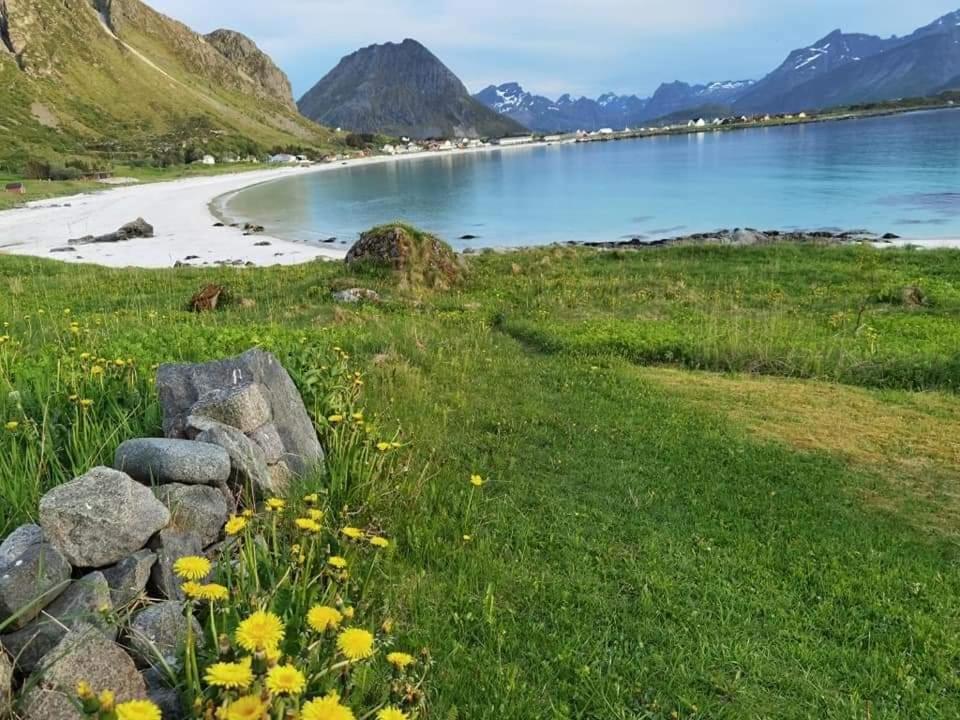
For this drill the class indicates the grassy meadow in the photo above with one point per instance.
(719, 483)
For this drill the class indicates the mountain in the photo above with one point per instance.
(567, 114)
(844, 69)
(254, 63)
(114, 79)
(401, 89)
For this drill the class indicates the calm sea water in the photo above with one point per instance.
(897, 174)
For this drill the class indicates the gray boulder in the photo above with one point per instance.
(18, 541)
(197, 509)
(356, 295)
(100, 518)
(246, 457)
(128, 578)
(268, 439)
(158, 634)
(83, 654)
(159, 460)
(242, 406)
(182, 386)
(85, 603)
(164, 696)
(31, 581)
(171, 545)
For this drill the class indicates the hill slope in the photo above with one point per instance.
(115, 78)
(401, 89)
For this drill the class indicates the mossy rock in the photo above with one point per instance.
(421, 259)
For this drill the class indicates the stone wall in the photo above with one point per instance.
(236, 430)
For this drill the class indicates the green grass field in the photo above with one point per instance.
(721, 483)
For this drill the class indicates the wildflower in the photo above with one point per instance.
(120, 362)
(12, 426)
(96, 371)
(379, 542)
(286, 680)
(85, 356)
(211, 592)
(309, 525)
(276, 505)
(467, 538)
(327, 708)
(352, 533)
(249, 707)
(235, 525)
(248, 514)
(191, 589)
(401, 660)
(138, 710)
(384, 447)
(337, 562)
(192, 567)
(477, 481)
(396, 445)
(107, 700)
(311, 499)
(392, 713)
(260, 631)
(232, 676)
(358, 417)
(335, 419)
(86, 403)
(355, 644)
(4, 339)
(322, 618)
(73, 398)
(315, 514)
(348, 613)
(84, 691)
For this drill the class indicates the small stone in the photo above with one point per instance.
(34, 579)
(197, 509)
(128, 578)
(158, 634)
(356, 295)
(246, 457)
(159, 460)
(243, 407)
(100, 518)
(83, 654)
(169, 546)
(83, 603)
(268, 440)
(18, 541)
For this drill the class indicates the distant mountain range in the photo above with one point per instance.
(839, 69)
(401, 89)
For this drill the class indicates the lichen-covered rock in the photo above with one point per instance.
(161, 460)
(280, 478)
(420, 259)
(18, 541)
(268, 440)
(85, 602)
(128, 578)
(197, 509)
(30, 581)
(246, 457)
(158, 634)
(83, 654)
(181, 387)
(100, 518)
(171, 545)
(243, 406)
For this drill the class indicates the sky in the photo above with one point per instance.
(553, 47)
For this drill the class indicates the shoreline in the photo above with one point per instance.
(186, 213)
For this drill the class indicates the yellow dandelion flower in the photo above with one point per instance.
(107, 700)
(384, 447)
(276, 504)
(85, 356)
(401, 660)
(357, 417)
(212, 592)
(260, 631)
(12, 426)
(355, 644)
(337, 562)
(192, 567)
(249, 707)
(286, 680)
(335, 419)
(379, 542)
(84, 691)
(352, 533)
(326, 708)
(349, 612)
(311, 499)
(315, 514)
(232, 676)
(322, 618)
(96, 371)
(477, 481)
(248, 514)
(191, 589)
(86, 403)
(467, 538)
(235, 525)
(138, 710)
(392, 713)
(120, 362)
(309, 525)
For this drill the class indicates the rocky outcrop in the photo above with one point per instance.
(743, 237)
(420, 258)
(254, 63)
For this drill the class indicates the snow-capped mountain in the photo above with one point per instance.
(676, 96)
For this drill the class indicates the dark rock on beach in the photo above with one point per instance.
(139, 228)
(746, 237)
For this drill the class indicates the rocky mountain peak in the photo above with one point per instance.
(253, 62)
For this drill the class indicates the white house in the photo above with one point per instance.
(802, 116)
(519, 140)
(209, 160)
(389, 149)
(282, 159)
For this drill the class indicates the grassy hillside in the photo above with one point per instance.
(721, 483)
(133, 85)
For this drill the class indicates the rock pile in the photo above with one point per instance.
(107, 540)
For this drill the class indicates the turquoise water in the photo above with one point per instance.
(897, 174)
